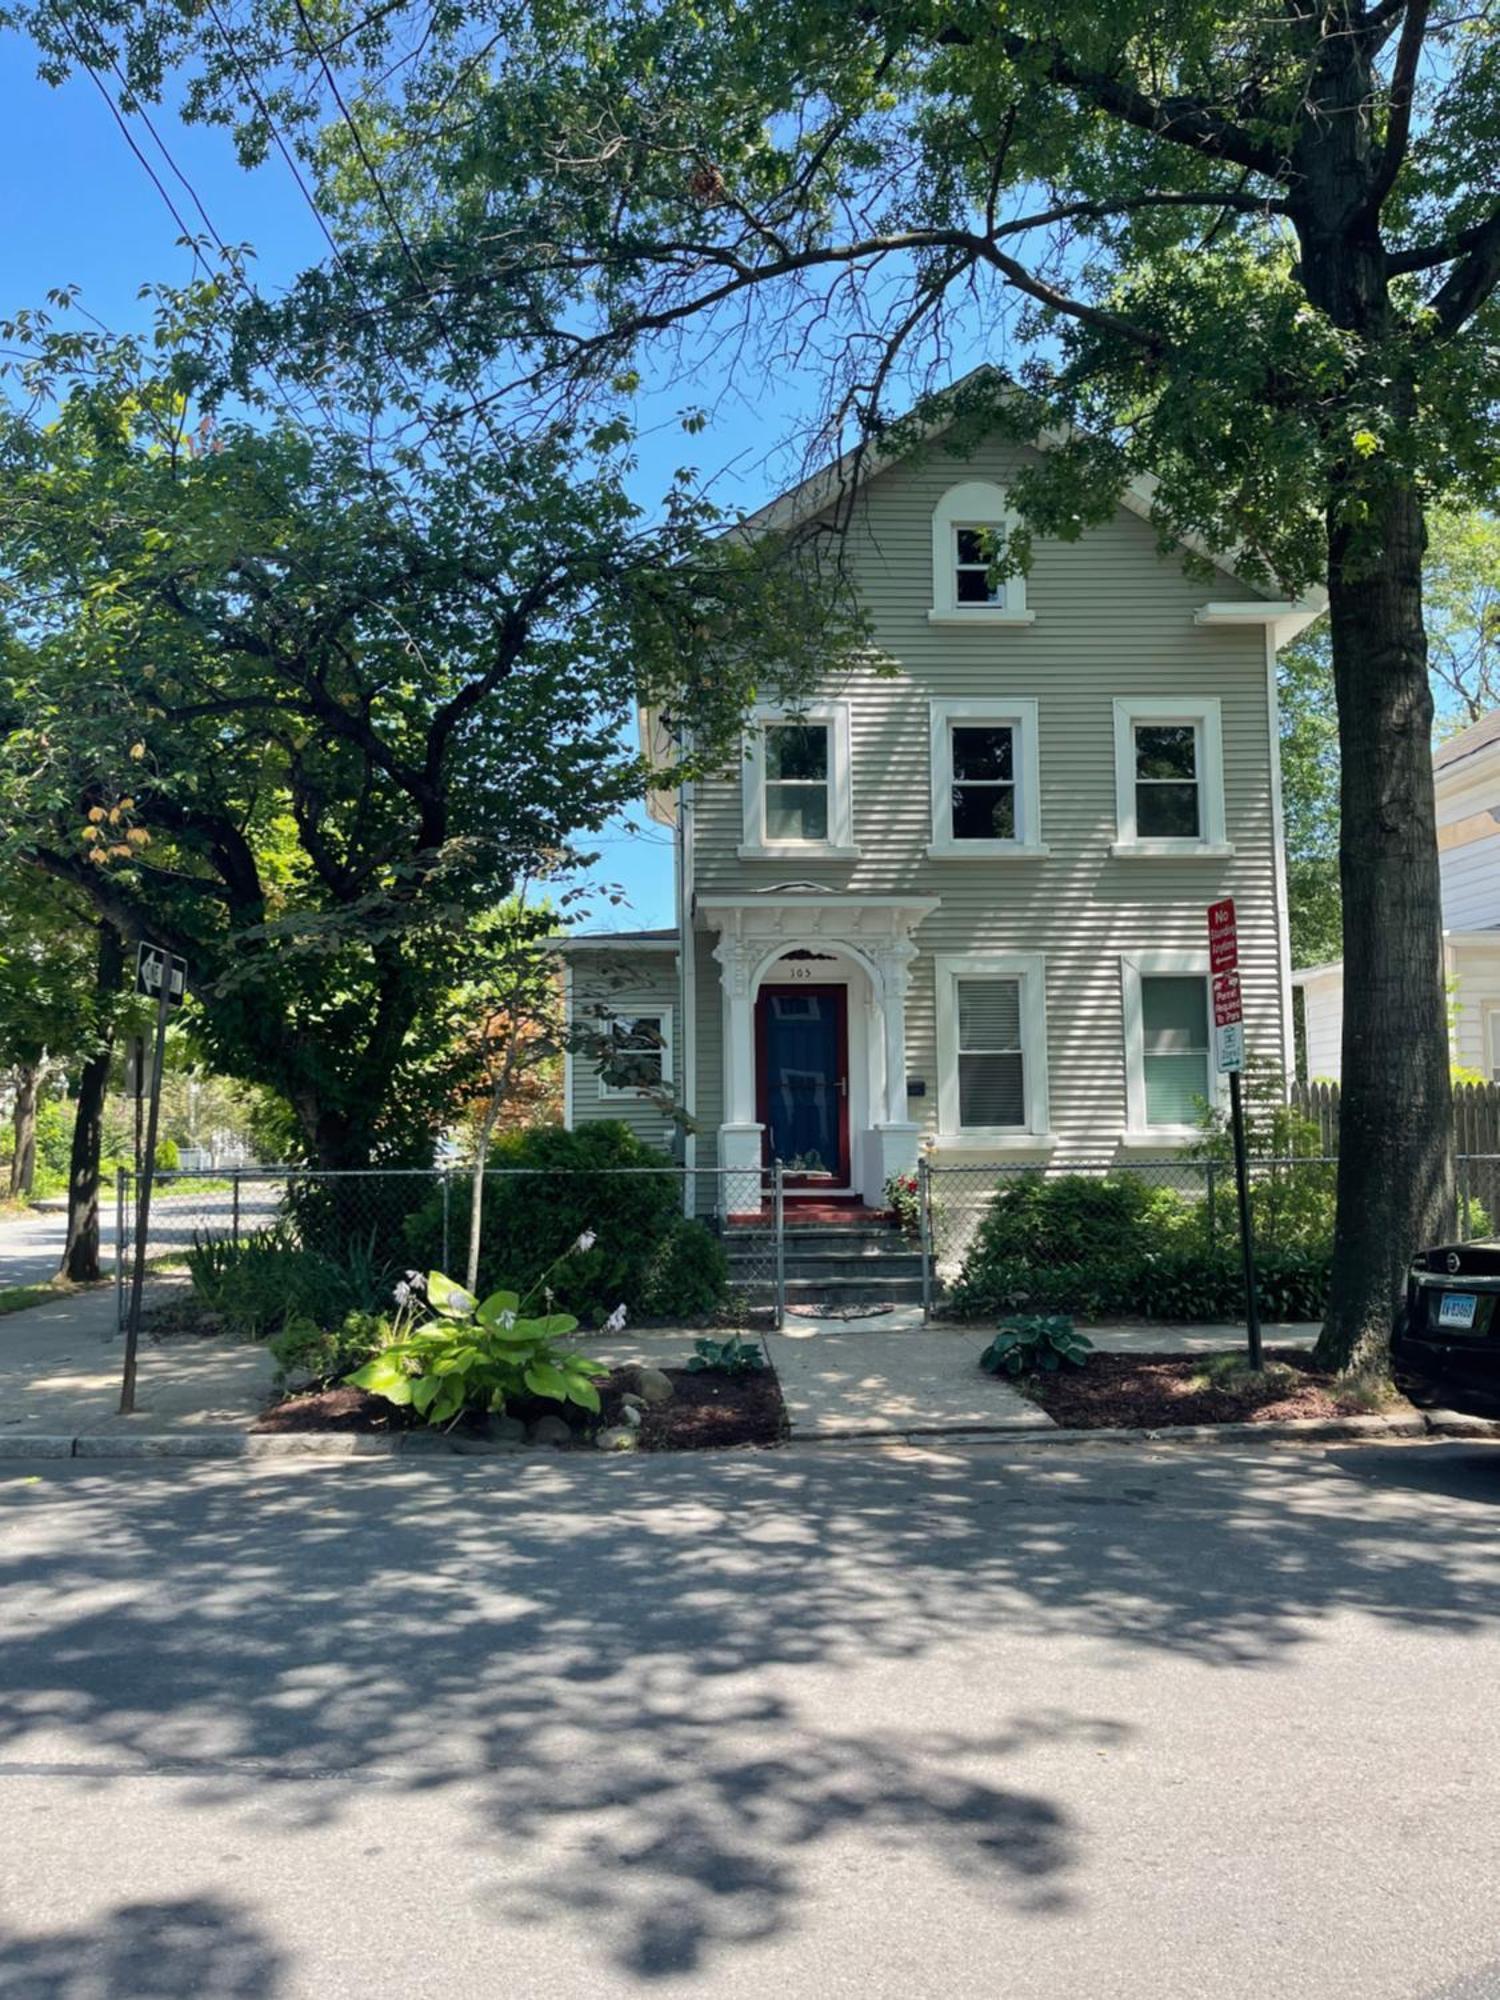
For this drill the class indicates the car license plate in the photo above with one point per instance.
(1457, 1309)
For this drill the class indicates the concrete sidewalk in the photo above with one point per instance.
(60, 1366)
(889, 1375)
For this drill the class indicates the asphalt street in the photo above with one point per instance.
(858, 1721)
(31, 1246)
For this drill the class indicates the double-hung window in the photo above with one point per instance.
(1169, 777)
(1169, 1067)
(975, 550)
(1175, 1047)
(992, 1046)
(797, 795)
(797, 774)
(985, 780)
(638, 1053)
(971, 526)
(1168, 803)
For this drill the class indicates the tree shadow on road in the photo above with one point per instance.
(633, 1673)
(182, 1950)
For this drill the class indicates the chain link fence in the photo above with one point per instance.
(378, 1222)
(1293, 1201)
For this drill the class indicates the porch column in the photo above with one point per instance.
(896, 1135)
(740, 1133)
(894, 961)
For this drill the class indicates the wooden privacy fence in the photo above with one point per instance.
(1476, 1115)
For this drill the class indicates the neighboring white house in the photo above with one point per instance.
(1466, 772)
(963, 903)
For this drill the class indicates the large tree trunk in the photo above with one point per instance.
(80, 1260)
(1395, 1177)
(23, 1125)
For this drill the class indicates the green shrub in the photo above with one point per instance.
(1188, 1284)
(734, 1356)
(311, 1356)
(1079, 1219)
(688, 1274)
(475, 1355)
(268, 1280)
(1035, 1341)
(574, 1186)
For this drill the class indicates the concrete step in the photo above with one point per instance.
(871, 1291)
(814, 1236)
(872, 1264)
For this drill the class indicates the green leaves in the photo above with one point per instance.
(734, 1356)
(1037, 1341)
(476, 1356)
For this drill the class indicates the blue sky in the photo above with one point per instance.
(83, 211)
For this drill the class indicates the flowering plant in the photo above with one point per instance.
(904, 1201)
(476, 1354)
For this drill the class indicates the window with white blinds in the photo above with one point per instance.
(991, 1058)
(1175, 1047)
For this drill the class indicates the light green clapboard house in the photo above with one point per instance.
(963, 906)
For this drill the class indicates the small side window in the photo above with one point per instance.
(637, 1055)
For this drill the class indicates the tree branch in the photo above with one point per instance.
(1402, 96)
(1471, 282)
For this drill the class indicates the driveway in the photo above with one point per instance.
(863, 1721)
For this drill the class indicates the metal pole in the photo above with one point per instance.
(924, 1223)
(143, 1197)
(1247, 1239)
(1213, 1204)
(778, 1223)
(447, 1202)
(234, 1175)
(119, 1251)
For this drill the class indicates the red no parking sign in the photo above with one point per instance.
(1224, 968)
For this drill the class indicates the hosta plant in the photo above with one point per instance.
(733, 1356)
(475, 1355)
(1035, 1342)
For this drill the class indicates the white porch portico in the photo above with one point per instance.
(857, 949)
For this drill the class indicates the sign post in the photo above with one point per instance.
(1229, 1058)
(163, 978)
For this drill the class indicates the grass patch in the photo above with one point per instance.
(20, 1298)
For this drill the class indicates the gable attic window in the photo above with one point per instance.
(970, 526)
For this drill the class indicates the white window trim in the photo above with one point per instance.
(839, 845)
(1492, 1039)
(1021, 716)
(1030, 967)
(1134, 966)
(976, 503)
(632, 1093)
(1205, 715)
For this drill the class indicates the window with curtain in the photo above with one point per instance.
(991, 1066)
(797, 768)
(1175, 1036)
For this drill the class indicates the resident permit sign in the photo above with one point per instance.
(1224, 969)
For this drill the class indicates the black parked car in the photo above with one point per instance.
(1448, 1334)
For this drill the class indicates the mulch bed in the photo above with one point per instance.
(1159, 1391)
(708, 1412)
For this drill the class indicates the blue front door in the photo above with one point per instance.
(802, 1036)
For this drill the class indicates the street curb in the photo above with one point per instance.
(102, 1446)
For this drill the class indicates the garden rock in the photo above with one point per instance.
(630, 1414)
(618, 1437)
(507, 1430)
(652, 1386)
(551, 1430)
